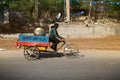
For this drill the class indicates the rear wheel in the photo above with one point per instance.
(71, 51)
(31, 53)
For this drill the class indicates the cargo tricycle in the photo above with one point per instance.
(34, 46)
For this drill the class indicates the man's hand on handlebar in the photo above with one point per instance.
(61, 39)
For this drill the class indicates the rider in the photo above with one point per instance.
(54, 37)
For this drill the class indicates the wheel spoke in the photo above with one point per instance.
(31, 53)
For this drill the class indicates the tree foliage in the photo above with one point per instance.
(113, 8)
(52, 7)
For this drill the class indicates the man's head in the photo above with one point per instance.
(56, 25)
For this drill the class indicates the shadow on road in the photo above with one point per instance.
(50, 55)
(57, 55)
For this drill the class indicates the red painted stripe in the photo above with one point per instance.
(18, 43)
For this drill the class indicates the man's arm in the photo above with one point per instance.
(57, 35)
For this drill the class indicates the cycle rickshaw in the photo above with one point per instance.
(35, 45)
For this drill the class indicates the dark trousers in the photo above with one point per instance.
(55, 41)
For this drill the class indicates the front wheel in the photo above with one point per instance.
(71, 51)
(31, 53)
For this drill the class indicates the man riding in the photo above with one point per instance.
(54, 37)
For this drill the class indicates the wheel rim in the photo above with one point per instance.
(31, 53)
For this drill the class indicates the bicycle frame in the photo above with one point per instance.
(61, 45)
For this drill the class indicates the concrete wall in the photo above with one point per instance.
(88, 32)
(96, 31)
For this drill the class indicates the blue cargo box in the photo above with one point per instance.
(29, 40)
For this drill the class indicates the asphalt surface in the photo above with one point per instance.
(90, 65)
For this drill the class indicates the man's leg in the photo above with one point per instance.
(53, 46)
(55, 42)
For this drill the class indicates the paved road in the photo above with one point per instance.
(94, 65)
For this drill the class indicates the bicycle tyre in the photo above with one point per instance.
(71, 51)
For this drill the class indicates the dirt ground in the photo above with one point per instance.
(107, 43)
